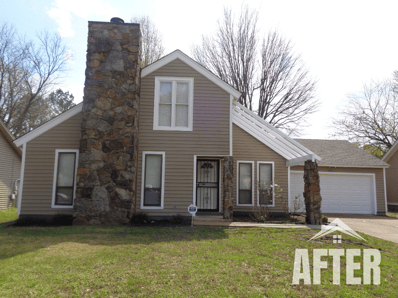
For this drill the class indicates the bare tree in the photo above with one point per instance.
(231, 53)
(371, 117)
(395, 81)
(286, 89)
(151, 40)
(286, 93)
(28, 72)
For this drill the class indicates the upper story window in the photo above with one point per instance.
(173, 108)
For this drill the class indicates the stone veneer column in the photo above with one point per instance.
(228, 170)
(312, 193)
(108, 159)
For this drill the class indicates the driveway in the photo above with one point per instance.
(382, 227)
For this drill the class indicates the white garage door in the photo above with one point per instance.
(341, 192)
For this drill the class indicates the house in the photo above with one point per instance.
(153, 140)
(351, 179)
(10, 167)
(391, 173)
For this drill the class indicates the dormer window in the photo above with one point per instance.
(173, 108)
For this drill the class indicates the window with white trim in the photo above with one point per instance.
(265, 177)
(245, 183)
(152, 192)
(64, 184)
(173, 106)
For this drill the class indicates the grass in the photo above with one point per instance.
(98, 261)
(392, 214)
(8, 215)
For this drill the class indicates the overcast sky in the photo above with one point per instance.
(343, 43)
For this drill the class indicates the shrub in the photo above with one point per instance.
(177, 219)
(27, 221)
(62, 219)
(139, 218)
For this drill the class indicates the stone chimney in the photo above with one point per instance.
(108, 158)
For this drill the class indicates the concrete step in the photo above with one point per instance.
(209, 218)
(211, 221)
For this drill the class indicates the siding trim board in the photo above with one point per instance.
(20, 190)
(231, 99)
(57, 151)
(385, 188)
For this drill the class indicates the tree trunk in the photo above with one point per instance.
(312, 193)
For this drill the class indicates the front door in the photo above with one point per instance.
(207, 185)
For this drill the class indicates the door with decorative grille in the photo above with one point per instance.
(207, 185)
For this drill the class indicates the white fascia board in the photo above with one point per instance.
(48, 125)
(390, 152)
(297, 152)
(177, 54)
(269, 137)
(279, 132)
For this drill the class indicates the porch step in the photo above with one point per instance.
(211, 221)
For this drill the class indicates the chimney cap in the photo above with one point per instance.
(117, 20)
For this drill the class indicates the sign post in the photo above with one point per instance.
(192, 209)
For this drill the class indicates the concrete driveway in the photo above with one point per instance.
(382, 227)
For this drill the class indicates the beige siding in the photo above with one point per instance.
(39, 166)
(378, 176)
(392, 179)
(210, 135)
(10, 169)
(248, 148)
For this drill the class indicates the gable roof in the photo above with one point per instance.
(9, 137)
(294, 152)
(390, 152)
(177, 54)
(342, 153)
(49, 124)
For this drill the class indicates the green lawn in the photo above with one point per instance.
(95, 261)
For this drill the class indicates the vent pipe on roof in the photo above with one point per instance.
(117, 21)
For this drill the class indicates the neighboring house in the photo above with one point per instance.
(391, 158)
(10, 167)
(194, 142)
(351, 179)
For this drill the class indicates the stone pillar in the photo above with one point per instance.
(108, 159)
(312, 193)
(228, 170)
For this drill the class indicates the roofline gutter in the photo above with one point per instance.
(390, 152)
(297, 161)
(344, 166)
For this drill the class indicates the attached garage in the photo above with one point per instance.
(341, 192)
(351, 180)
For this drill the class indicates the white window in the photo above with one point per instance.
(266, 185)
(173, 107)
(64, 183)
(152, 183)
(245, 183)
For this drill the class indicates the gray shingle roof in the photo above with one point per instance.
(341, 153)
